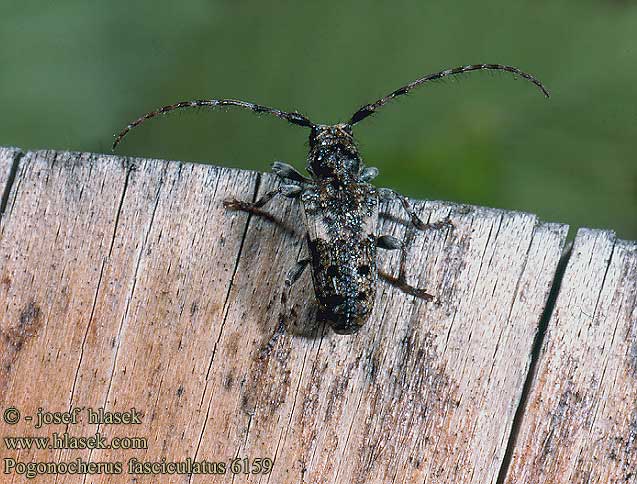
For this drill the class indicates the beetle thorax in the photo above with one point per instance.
(333, 153)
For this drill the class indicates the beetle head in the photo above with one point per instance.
(333, 152)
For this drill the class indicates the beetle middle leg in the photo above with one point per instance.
(390, 242)
(293, 275)
(288, 314)
(388, 194)
(296, 271)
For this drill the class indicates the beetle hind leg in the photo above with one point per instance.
(390, 242)
(400, 283)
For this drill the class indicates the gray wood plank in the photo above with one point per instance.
(580, 423)
(8, 158)
(424, 393)
(126, 283)
(102, 264)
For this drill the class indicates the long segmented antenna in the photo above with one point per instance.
(370, 109)
(294, 118)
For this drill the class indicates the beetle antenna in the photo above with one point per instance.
(370, 109)
(294, 118)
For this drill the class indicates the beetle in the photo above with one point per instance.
(339, 205)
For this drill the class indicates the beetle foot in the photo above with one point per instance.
(441, 224)
(234, 204)
(400, 283)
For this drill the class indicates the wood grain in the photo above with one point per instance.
(8, 158)
(423, 391)
(90, 313)
(580, 424)
(127, 284)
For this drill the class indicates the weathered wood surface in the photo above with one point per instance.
(581, 419)
(8, 158)
(124, 283)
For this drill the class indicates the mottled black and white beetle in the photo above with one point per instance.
(340, 206)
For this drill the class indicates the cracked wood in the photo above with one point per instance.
(580, 423)
(8, 160)
(126, 284)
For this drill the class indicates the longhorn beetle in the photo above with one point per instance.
(340, 206)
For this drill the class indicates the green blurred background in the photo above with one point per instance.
(72, 73)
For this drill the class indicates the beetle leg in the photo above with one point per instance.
(288, 172)
(390, 242)
(389, 194)
(368, 174)
(292, 276)
(296, 271)
(290, 191)
(400, 283)
(287, 190)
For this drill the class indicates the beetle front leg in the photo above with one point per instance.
(288, 172)
(290, 190)
(390, 242)
(388, 194)
(287, 190)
